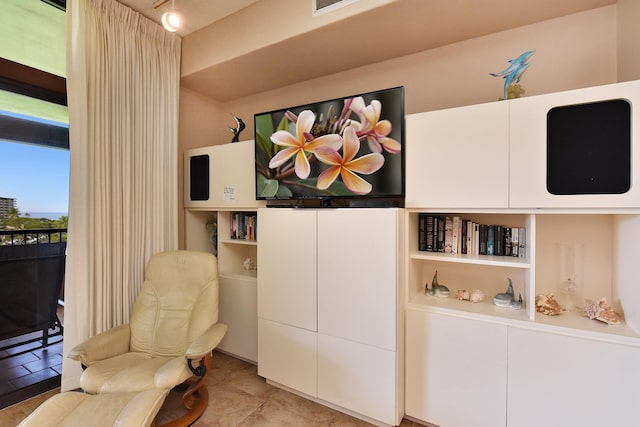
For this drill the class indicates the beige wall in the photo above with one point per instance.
(574, 51)
(628, 40)
(230, 38)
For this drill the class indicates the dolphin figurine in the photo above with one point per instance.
(239, 128)
(513, 73)
(436, 289)
(516, 305)
(506, 298)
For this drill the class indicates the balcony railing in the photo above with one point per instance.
(31, 277)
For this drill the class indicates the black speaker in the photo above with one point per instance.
(199, 177)
(589, 148)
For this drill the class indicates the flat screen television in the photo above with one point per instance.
(341, 152)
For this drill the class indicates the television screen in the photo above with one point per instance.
(345, 148)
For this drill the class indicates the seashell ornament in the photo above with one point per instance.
(436, 289)
(505, 298)
(602, 311)
(547, 304)
(476, 295)
(462, 295)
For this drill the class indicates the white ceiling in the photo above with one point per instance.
(196, 13)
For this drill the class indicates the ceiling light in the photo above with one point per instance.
(172, 19)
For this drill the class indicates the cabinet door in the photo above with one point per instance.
(230, 175)
(233, 177)
(557, 381)
(458, 158)
(357, 275)
(238, 310)
(287, 355)
(456, 371)
(528, 148)
(358, 377)
(287, 257)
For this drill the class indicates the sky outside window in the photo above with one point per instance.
(34, 33)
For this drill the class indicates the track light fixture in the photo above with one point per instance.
(171, 20)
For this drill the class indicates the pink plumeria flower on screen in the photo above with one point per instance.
(296, 145)
(375, 130)
(346, 166)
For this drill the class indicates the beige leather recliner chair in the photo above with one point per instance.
(170, 337)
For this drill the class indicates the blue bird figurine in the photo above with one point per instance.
(513, 73)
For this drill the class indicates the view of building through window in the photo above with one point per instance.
(34, 177)
(34, 196)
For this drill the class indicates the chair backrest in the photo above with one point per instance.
(178, 301)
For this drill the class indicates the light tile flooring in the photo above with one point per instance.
(237, 397)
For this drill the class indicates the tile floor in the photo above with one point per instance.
(237, 397)
(28, 369)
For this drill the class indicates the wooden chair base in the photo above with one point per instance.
(195, 399)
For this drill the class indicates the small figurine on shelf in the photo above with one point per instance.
(248, 264)
(476, 295)
(506, 298)
(463, 295)
(236, 130)
(512, 75)
(602, 311)
(436, 289)
(516, 305)
(212, 228)
(547, 304)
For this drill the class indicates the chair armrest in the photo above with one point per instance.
(206, 342)
(104, 345)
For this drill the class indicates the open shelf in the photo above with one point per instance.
(497, 261)
(239, 242)
(484, 310)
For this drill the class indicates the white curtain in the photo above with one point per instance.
(123, 75)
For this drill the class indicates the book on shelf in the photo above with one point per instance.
(244, 226)
(453, 234)
(507, 241)
(522, 236)
(448, 234)
(439, 233)
(476, 238)
(514, 241)
(429, 234)
(422, 227)
(498, 244)
(426, 234)
(466, 237)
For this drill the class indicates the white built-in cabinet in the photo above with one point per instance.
(559, 379)
(231, 191)
(457, 370)
(459, 158)
(474, 364)
(528, 149)
(328, 295)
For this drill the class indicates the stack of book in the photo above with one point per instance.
(452, 234)
(244, 226)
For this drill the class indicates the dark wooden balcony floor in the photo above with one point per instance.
(29, 369)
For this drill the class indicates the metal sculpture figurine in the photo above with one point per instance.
(236, 130)
(513, 73)
(506, 298)
(436, 289)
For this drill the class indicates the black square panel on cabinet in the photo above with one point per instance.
(199, 177)
(589, 148)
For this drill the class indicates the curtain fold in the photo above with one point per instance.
(123, 77)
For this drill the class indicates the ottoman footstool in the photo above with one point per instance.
(72, 408)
